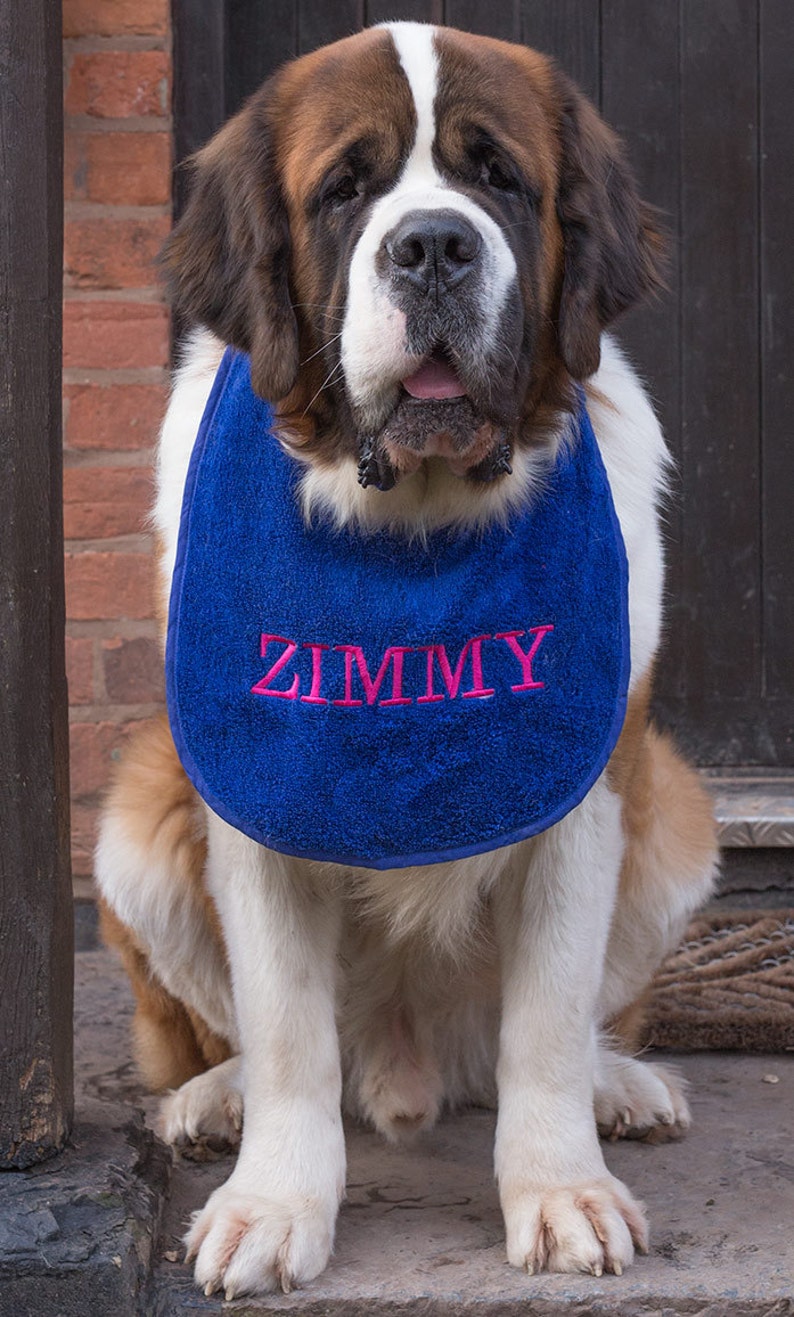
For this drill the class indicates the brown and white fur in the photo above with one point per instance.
(282, 988)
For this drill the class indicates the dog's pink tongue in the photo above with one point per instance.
(435, 379)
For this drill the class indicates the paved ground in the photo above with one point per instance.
(421, 1231)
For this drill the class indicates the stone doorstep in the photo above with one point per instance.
(421, 1230)
(92, 1233)
(753, 808)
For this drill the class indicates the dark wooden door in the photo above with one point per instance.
(703, 93)
(36, 921)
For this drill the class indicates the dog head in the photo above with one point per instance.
(418, 236)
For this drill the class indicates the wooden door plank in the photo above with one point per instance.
(199, 104)
(640, 91)
(570, 30)
(640, 99)
(777, 351)
(36, 944)
(416, 11)
(720, 606)
(320, 22)
(501, 20)
(258, 38)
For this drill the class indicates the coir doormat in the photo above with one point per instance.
(729, 985)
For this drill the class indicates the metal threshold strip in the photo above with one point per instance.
(753, 808)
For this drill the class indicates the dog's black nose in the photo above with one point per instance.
(433, 250)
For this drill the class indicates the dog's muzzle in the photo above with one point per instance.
(434, 263)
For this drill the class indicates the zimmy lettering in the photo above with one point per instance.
(345, 668)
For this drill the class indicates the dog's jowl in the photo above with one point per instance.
(408, 839)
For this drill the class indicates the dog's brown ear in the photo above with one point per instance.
(227, 260)
(613, 250)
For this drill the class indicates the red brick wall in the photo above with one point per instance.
(117, 62)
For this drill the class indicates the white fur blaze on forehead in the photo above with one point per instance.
(375, 354)
(416, 48)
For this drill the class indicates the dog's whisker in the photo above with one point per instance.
(318, 306)
(329, 379)
(322, 349)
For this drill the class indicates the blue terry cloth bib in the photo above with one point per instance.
(358, 699)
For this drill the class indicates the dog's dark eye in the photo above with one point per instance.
(498, 175)
(344, 189)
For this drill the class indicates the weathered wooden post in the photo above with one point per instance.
(36, 962)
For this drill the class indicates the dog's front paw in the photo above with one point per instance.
(209, 1105)
(592, 1226)
(640, 1100)
(245, 1243)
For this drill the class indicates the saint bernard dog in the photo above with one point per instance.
(415, 239)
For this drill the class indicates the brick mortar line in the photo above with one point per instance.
(97, 679)
(123, 42)
(124, 295)
(137, 123)
(81, 459)
(112, 629)
(168, 45)
(151, 294)
(108, 376)
(114, 713)
(107, 210)
(85, 879)
(140, 544)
